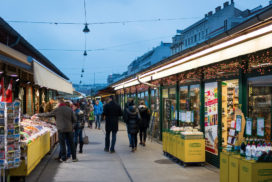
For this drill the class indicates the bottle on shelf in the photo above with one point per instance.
(248, 151)
(243, 149)
(253, 150)
(258, 151)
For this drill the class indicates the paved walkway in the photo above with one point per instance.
(95, 165)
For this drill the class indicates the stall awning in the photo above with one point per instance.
(44, 77)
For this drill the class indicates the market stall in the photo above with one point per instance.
(37, 138)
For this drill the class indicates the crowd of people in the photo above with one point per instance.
(70, 121)
(71, 117)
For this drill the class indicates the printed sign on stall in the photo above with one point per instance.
(260, 127)
(211, 118)
(238, 123)
(249, 126)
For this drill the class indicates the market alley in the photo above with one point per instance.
(146, 164)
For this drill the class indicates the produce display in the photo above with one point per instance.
(187, 132)
(32, 129)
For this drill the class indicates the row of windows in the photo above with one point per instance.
(197, 37)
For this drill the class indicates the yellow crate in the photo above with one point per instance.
(170, 143)
(164, 143)
(35, 152)
(193, 150)
(45, 144)
(234, 161)
(174, 145)
(251, 171)
(178, 141)
(224, 167)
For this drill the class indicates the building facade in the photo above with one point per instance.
(148, 59)
(214, 23)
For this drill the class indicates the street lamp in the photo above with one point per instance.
(86, 28)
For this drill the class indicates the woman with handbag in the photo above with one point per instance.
(78, 129)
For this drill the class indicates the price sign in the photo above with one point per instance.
(238, 123)
(249, 126)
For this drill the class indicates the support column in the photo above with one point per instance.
(219, 114)
(161, 110)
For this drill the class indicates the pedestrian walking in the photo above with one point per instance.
(91, 117)
(78, 128)
(133, 118)
(98, 110)
(112, 112)
(125, 119)
(65, 118)
(144, 122)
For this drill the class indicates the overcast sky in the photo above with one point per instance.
(121, 43)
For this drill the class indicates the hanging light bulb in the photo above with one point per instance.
(82, 70)
(86, 28)
(85, 53)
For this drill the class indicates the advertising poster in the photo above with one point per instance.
(211, 118)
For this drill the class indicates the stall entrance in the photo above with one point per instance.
(259, 106)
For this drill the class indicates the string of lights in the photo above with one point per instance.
(105, 48)
(102, 23)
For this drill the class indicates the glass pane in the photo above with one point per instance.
(165, 93)
(195, 103)
(259, 105)
(170, 112)
(211, 117)
(230, 103)
(183, 98)
(146, 98)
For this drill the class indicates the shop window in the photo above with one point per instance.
(170, 112)
(146, 98)
(154, 128)
(195, 104)
(211, 118)
(230, 103)
(189, 105)
(183, 101)
(259, 105)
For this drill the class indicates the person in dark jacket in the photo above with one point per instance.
(112, 112)
(78, 128)
(125, 119)
(133, 119)
(144, 122)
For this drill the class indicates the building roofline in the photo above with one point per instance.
(38, 55)
(248, 24)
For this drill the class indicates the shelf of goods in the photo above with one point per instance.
(234, 168)
(37, 139)
(187, 147)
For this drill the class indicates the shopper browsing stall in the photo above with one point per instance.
(65, 118)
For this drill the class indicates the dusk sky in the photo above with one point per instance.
(117, 44)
